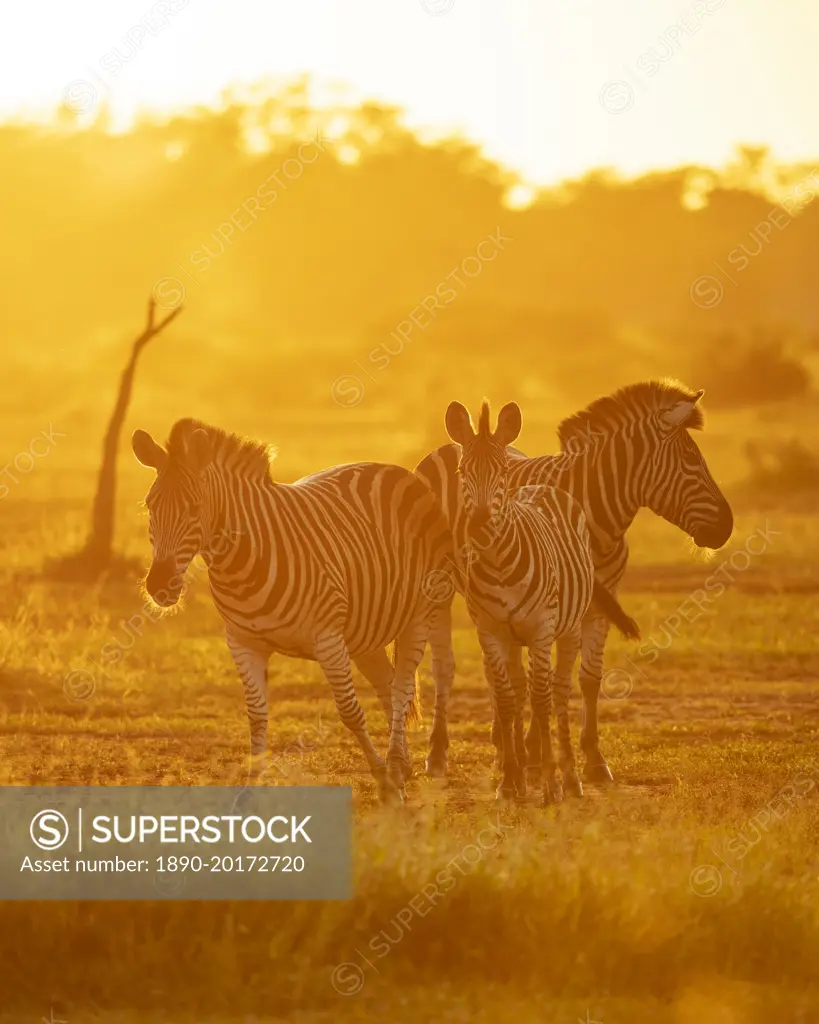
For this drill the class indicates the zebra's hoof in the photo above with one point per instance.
(552, 794)
(572, 784)
(599, 772)
(436, 766)
(389, 793)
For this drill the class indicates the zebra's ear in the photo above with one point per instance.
(147, 451)
(198, 451)
(681, 413)
(509, 423)
(458, 424)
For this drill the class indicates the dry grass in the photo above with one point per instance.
(592, 905)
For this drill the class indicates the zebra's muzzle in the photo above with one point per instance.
(164, 583)
(716, 534)
(479, 517)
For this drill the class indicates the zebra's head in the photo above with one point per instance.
(483, 465)
(636, 450)
(174, 502)
(678, 485)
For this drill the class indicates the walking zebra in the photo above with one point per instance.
(330, 568)
(532, 585)
(626, 451)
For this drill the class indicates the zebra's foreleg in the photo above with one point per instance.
(443, 673)
(520, 684)
(332, 654)
(409, 650)
(540, 660)
(379, 671)
(567, 648)
(496, 659)
(534, 750)
(252, 668)
(594, 632)
(495, 734)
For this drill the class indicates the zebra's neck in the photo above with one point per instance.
(497, 543)
(229, 505)
(600, 478)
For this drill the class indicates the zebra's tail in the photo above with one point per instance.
(608, 605)
(415, 714)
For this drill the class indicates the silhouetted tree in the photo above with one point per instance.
(97, 554)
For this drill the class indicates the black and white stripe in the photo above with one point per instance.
(330, 568)
(627, 451)
(531, 586)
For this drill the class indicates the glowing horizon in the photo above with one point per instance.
(547, 92)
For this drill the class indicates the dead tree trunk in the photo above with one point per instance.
(99, 546)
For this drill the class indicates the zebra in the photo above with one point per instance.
(532, 585)
(332, 567)
(628, 450)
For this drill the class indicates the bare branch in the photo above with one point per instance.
(152, 328)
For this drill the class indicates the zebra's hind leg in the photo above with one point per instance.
(496, 657)
(540, 657)
(332, 654)
(443, 673)
(495, 734)
(409, 650)
(252, 668)
(567, 648)
(594, 632)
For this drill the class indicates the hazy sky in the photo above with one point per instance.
(550, 87)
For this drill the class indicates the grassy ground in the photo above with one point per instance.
(687, 893)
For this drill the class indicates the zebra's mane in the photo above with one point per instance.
(238, 455)
(628, 404)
